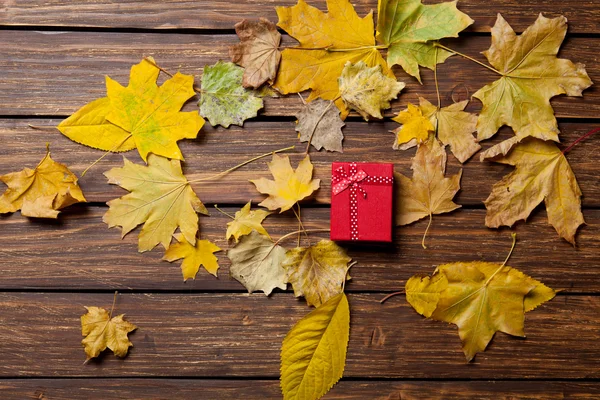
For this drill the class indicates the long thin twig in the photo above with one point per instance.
(468, 58)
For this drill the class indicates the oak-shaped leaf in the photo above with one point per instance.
(145, 115)
(223, 99)
(408, 28)
(454, 127)
(429, 192)
(101, 332)
(317, 272)
(289, 186)
(481, 298)
(341, 34)
(246, 221)
(415, 129)
(256, 263)
(542, 173)
(42, 191)
(160, 197)
(531, 76)
(194, 256)
(258, 51)
(313, 353)
(319, 122)
(366, 90)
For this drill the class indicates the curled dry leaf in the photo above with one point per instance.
(193, 256)
(320, 124)
(246, 221)
(455, 127)
(408, 28)
(366, 90)
(531, 76)
(102, 331)
(144, 115)
(256, 263)
(223, 99)
(481, 298)
(160, 197)
(317, 272)
(341, 34)
(258, 51)
(542, 173)
(289, 186)
(429, 191)
(415, 128)
(42, 191)
(313, 353)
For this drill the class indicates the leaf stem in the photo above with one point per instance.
(426, 230)
(352, 264)
(42, 128)
(223, 212)
(241, 165)
(580, 139)
(437, 87)
(300, 225)
(295, 232)
(104, 155)
(113, 305)
(514, 242)
(468, 58)
(389, 296)
(196, 88)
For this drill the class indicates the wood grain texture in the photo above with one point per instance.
(210, 389)
(79, 252)
(223, 14)
(232, 335)
(218, 149)
(55, 73)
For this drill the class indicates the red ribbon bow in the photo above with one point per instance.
(343, 181)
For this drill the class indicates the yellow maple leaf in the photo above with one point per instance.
(317, 272)
(542, 173)
(102, 331)
(415, 127)
(481, 298)
(313, 353)
(161, 198)
(429, 192)
(246, 221)
(454, 127)
(193, 256)
(531, 74)
(141, 115)
(42, 191)
(341, 34)
(289, 186)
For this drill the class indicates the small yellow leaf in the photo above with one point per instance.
(342, 35)
(313, 353)
(423, 292)
(102, 331)
(151, 113)
(542, 173)
(42, 191)
(415, 127)
(366, 90)
(193, 256)
(246, 221)
(161, 198)
(289, 186)
(317, 272)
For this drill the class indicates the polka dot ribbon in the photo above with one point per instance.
(353, 182)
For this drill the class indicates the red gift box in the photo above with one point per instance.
(361, 201)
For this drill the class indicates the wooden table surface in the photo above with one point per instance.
(209, 339)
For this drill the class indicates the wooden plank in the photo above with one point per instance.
(117, 389)
(55, 73)
(79, 252)
(222, 14)
(233, 335)
(218, 149)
